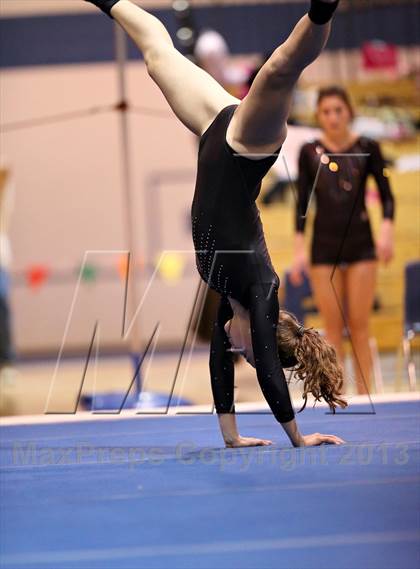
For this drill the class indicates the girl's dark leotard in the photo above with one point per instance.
(232, 258)
(342, 232)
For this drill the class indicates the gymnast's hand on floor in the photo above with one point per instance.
(247, 442)
(231, 436)
(319, 439)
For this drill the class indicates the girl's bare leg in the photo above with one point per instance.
(360, 291)
(194, 96)
(329, 299)
(259, 123)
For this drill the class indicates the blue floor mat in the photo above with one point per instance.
(163, 492)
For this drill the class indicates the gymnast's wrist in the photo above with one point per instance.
(388, 222)
(227, 422)
(300, 442)
(293, 433)
(297, 439)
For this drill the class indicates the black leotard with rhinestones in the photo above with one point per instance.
(342, 232)
(231, 252)
(232, 258)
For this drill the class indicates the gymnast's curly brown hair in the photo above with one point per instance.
(314, 359)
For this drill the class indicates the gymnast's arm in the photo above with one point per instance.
(222, 380)
(264, 313)
(222, 372)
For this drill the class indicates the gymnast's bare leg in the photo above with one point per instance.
(259, 120)
(194, 96)
(259, 123)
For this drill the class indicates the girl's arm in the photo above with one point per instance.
(264, 315)
(377, 167)
(221, 361)
(222, 380)
(304, 188)
(232, 438)
(304, 185)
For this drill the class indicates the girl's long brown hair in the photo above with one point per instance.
(317, 364)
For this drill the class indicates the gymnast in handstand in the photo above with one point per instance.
(239, 141)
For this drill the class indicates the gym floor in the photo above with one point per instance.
(132, 492)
